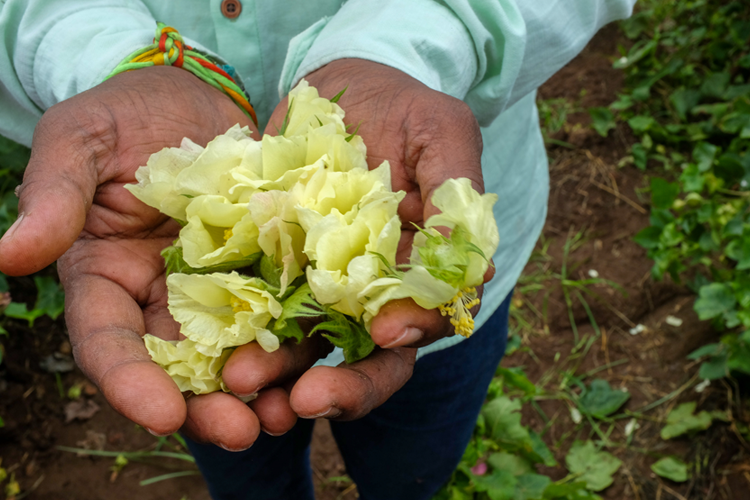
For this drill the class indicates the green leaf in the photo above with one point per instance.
(681, 421)
(336, 98)
(714, 299)
(3, 282)
(20, 311)
(601, 400)
(648, 237)
(641, 124)
(503, 422)
(515, 377)
(671, 468)
(531, 486)
(602, 120)
(692, 179)
(706, 350)
(540, 451)
(663, 193)
(595, 468)
(684, 100)
(50, 298)
(569, 491)
(299, 304)
(640, 156)
(715, 84)
(512, 463)
(347, 334)
(499, 485)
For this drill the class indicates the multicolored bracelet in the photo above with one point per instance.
(169, 49)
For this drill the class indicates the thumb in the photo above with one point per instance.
(57, 191)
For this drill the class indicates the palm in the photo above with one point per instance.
(73, 202)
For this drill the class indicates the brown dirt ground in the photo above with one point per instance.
(589, 195)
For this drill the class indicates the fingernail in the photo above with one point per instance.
(233, 450)
(12, 229)
(246, 398)
(151, 431)
(331, 412)
(410, 336)
(272, 434)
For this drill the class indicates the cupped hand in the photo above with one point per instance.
(73, 207)
(427, 137)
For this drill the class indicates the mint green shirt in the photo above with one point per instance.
(493, 54)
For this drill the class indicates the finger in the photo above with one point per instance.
(348, 392)
(403, 323)
(55, 196)
(249, 369)
(221, 419)
(108, 347)
(273, 411)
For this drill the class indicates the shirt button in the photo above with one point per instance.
(231, 8)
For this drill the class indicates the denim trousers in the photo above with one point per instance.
(405, 449)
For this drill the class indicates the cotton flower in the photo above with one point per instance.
(217, 231)
(279, 233)
(309, 110)
(444, 272)
(189, 368)
(173, 176)
(220, 310)
(347, 249)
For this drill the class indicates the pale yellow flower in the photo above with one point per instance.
(279, 234)
(309, 110)
(346, 250)
(217, 231)
(189, 368)
(173, 176)
(444, 272)
(220, 310)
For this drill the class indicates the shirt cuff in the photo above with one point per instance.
(422, 38)
(84, 61)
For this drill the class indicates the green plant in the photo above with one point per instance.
(688, 100)
(500, 461)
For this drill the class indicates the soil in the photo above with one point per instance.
(593, 202)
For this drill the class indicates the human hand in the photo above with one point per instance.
(428, 137)
(72, 202)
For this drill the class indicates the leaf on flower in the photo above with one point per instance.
(299, 304)
(347, 334)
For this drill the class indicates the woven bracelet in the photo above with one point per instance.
(169, 49)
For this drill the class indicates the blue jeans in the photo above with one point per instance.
(405, 449)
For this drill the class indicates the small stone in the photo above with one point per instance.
(89, 389)
(639, 328)
(673, 321)
(65, 347)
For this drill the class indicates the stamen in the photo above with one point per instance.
(458, 309)
(227, 234)
(239, 305)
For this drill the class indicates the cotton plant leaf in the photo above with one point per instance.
(672, 468)
(347, 334)
(50, 298)
(600, 400)
(499, 485)
(19, 310)
(593, 467)
(682, 420)
(300, 304)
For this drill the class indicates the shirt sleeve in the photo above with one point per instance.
(52, 50)
(488, 53)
